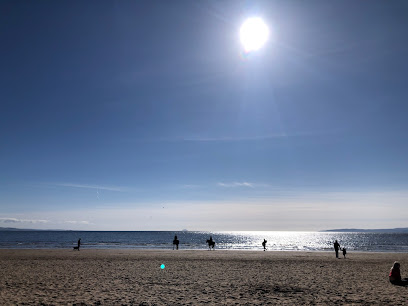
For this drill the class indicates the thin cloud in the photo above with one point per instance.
(240, 138)
(190, 186)
(78, 222)
(15, 220)
(264, 137)
(236, 184)
(85, 186)
(210, 139)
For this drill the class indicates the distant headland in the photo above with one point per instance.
(14, 229)
(359, 230)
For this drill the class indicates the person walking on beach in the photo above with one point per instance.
(336, 248)
(264, 244)
(175, 242)
(344, 252)
(395, 275)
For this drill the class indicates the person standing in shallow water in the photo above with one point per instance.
(336, 248)
(264, 244)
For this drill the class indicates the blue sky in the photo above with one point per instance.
(141, 115)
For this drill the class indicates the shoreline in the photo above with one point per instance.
(349, 251)
(190, 277)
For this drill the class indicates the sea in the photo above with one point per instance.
(189, 240)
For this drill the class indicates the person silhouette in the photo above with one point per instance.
(175, 242)
(344, 252)
(336, 248)
(79, 243)
(211, 243)
(264, 244)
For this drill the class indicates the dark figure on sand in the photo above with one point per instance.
(344, 252)
(79, 244)
(211, 243)
(264, 244)
(395, 275)
(336, 248)
(175, 242)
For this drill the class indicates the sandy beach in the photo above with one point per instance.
(134, 277)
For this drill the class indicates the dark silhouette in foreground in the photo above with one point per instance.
(336, 248)
(264, 244)
(344, 252)
(175, 242)
(79, 244)
(395, 275)
(211, 243)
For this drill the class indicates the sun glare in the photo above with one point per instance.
(253, 33)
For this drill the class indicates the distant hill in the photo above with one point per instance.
(355, 230)
(13, 229)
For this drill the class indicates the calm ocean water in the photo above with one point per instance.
(277, 241)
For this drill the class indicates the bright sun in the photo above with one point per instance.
(253, 33)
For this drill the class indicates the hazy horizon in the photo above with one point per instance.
(140, 116)
(339, 230)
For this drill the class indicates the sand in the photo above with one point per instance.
(134, 277)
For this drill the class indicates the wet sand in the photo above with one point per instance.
(134, 277)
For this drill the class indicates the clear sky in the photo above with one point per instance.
(148, 115)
